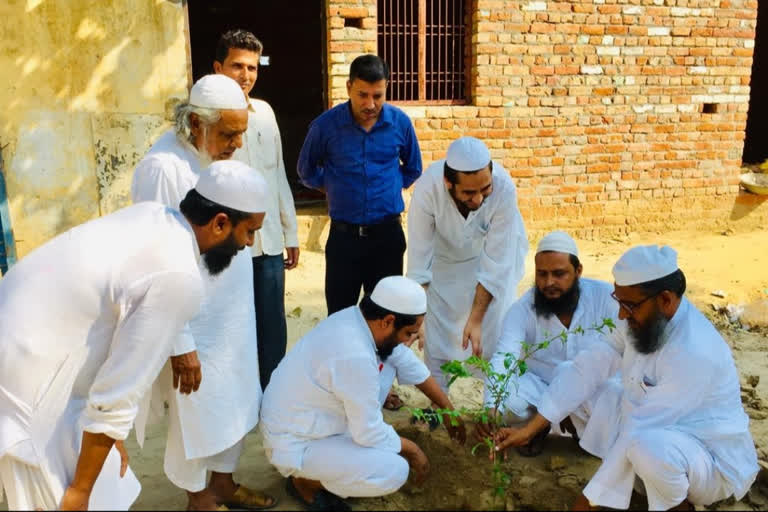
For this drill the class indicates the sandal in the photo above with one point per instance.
(321, 501)
(536, 445)
(250, 499)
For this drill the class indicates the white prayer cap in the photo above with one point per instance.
(400, 294)
(218, 92)
(644, 263)
(467, 154)
(558, 241)
(235, 185)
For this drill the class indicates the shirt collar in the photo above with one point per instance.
(386, 116)
(186, 224)
(367, 330)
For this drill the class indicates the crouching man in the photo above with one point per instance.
(321, 415)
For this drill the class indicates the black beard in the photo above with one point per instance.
(218, 258)
(386, 349)
(564, 304)
(647, 339)
(464, 210)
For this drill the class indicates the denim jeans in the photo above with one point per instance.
(269, 299)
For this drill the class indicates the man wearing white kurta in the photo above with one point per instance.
(321, 417)
(676, 425)
(237, 56)
(206, 428)
(560, 300)
(86, 323)
(467, 246)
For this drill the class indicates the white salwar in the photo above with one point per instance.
(263, 150)
(453, 254)
(86, 323)
(676, 422)
(210, 423)
(522, 325)
(321, 415)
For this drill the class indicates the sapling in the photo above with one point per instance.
(500, 385)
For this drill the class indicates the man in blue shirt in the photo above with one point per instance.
(361, 153)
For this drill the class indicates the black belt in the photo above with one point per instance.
(365, 230)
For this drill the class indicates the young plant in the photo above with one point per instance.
(499, 385)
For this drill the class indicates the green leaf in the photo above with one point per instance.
(455, 368)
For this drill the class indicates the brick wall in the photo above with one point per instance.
(596, 107)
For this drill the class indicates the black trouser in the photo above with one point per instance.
(353, 260)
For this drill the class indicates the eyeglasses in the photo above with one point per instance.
(629, 306)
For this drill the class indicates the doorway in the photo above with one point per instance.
(755, 147)
(294, 81)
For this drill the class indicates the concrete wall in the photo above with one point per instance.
(595, 107)
(83, 89)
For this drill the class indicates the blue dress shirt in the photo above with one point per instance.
(363, 173)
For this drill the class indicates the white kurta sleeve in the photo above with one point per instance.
(502, 260)
(154, 310)
(510, 341)
(409, 368)
(421, 232)
(153, 180)
(355, 381)
(285, 198)
(575, 381)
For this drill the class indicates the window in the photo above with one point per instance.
(424, 43)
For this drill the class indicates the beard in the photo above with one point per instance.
(566, 303)
(387, 347)
(647, 338)
(463, 207)
(218, 258)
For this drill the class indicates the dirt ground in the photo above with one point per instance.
(732, 263)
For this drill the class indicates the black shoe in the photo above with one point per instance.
(322, 500)
(536, 445)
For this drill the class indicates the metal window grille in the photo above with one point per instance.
(424, 43)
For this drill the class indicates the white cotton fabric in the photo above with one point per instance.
(453, 254)
(358, 470)
(191, 474)
(400, 295)
(223, 333)
(644, 263)
(673, 466)
(558, 241)
(467, 154)
(86, 323)
(235, 185)
(330, 384)
(521, 324)
(263, 150)
(218, 92)
(690, 385)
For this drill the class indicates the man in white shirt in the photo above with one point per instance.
(560, 300)
(321, 418)
(223, 344)
(675, 429)
(237, 56)
(466, 246)
(87, 321)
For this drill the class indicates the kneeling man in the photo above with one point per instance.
(321, 414)
(561, 300)
(676, 426)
